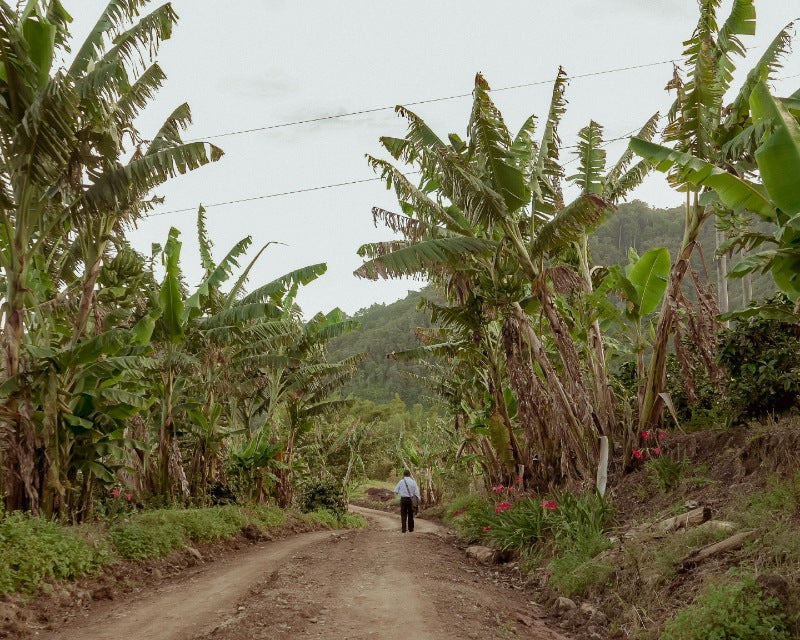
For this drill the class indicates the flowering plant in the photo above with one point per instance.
(652, 445)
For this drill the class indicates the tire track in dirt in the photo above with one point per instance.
(375, 583)
(186, 609)
(380, 584)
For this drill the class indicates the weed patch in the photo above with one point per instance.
(33, 550)
(332, 520)
(737, 610)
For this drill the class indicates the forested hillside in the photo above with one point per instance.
(636, 224)
(385, 328)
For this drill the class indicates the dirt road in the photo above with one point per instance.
(374, 583)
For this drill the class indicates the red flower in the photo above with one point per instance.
(662, 435)
(637, 454)
(657, 451)
(115, 493)
(519, 479)
(645, 435)
(503, 506)
(485, 529)
(499, 488)
(550, 505)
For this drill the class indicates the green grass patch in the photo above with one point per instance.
(656, 561)
(664, 473)
(136, 540)
(33, 550)
(576, 570)
(265, 516)
(780, 499)
(736, 610)
(331, 520)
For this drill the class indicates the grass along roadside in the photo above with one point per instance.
(569, 546)
(34, 551)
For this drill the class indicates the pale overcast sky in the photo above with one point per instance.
(252, 63)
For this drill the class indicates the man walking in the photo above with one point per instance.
(407, 488)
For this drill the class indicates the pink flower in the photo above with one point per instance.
(657, 451)
(550, 505)
(115, 493)
(637, 454)
(519, 479)
(485, 529)
(662, 435)
(645, 435)
(502, 506)
(499, 488)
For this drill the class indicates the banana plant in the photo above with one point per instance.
(218, 320)
(641, 285)
(701, 126)
(776, 199)
(70, 180)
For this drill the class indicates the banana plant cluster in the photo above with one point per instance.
(111, 376)
(487, 222)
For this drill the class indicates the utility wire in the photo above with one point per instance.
(338, 184)
(360, 112)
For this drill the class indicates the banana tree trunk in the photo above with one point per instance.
(549, 405)
(652, 404)
(87, 298)
(722, 274)
(603, 393)
(495, 382)
(18, 439)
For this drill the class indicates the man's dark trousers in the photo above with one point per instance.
(406, 514)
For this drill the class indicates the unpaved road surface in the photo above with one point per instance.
(375, 583)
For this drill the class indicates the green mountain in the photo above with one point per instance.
(385, 328)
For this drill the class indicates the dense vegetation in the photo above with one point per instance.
(117, 379)
(560, 339)
(383, 330)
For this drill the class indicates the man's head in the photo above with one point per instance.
(407, 473)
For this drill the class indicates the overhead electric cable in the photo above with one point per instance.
(334, 185)
(419, 102)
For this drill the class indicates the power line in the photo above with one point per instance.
(265, 197)
(335, 185)
(360, 112)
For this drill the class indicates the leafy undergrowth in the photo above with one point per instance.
(637, 586)
(34, 550)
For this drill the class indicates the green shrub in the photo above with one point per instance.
(352, 521)
(578, 520)
(470, 515)
(152, 534)
(762, 357)
(206, 525)
(33, 550)
(266, 516)
(734, 611)
(322, 494)
(518, 528)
